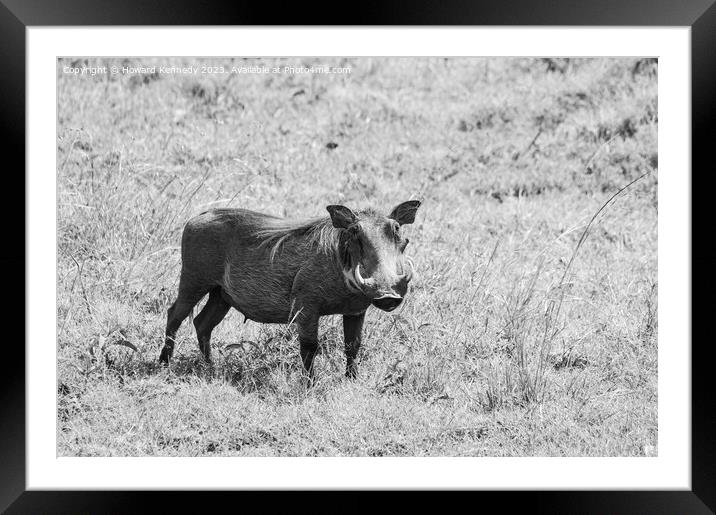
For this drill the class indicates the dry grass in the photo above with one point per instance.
(505, 346)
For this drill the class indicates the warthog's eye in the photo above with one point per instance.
(393, 230)
(404, 244)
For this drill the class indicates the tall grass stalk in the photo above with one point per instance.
(533, 379)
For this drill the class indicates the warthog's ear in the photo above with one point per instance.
(405, 212)
(341, 216)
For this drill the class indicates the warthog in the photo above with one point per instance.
(275, 270)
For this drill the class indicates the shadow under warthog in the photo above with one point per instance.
(267, 364)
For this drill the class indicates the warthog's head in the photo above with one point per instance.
(372, 252)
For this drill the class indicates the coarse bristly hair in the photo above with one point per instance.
(319, 233)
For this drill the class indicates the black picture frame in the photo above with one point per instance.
(17, 15)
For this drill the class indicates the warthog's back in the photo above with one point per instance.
(208, 238)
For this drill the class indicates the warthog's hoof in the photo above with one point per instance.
(165, 356)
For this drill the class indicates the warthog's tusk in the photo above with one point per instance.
(350, 280)
(359, 278)
(363, 284)
(408, 275)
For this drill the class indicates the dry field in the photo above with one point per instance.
(505, 346)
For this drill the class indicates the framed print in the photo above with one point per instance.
(423, 257)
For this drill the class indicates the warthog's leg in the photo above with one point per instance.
(176, 314)
(352, 334)
(308, 337)
(214, 312)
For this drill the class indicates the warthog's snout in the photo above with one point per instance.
(376, 287)
(387, 302)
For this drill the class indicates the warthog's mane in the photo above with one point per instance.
(316, 233)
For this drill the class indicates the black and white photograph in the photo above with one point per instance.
(364, 256)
